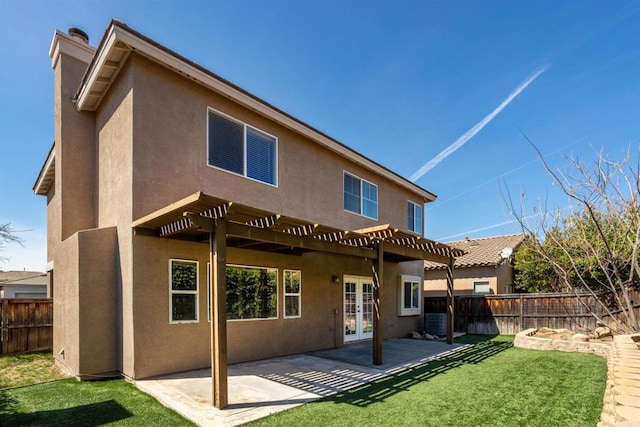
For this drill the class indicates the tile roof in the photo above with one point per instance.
(481, 252)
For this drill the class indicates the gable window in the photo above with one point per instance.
(183, 289)
(292, 293)
(360, 196)
(409, 295)
(242, 149)
(481, 288)
(414, 218)
(252, 293)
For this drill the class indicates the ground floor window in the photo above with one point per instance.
(292, 293)
(410, 304)
(183, 289)
(252, 292)
(481, 288)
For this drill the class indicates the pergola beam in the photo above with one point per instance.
(413, 253)
(304, 242)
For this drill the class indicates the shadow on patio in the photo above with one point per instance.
(344, 375)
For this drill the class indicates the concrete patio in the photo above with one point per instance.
(257, 389)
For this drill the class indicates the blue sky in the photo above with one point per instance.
(397, 81)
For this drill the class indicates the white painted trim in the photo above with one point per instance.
(64, 43)
(358, 281)
(402, 311)
(46, 171)
(421, 206)
(285, 295)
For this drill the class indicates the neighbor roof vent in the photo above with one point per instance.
(79, 34)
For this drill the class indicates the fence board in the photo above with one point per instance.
(510, 314)
(25, 325)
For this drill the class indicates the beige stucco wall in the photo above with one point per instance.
(170, 133)
(75, 150)
(435, 281)
(162, 347)
(114, 142)
(84, 334)
(144, 148)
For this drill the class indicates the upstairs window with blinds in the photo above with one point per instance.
(360, 196)
(414, 217)
(241, 149)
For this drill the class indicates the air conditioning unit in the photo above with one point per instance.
(435, 323)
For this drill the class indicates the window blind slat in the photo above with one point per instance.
(226, 143)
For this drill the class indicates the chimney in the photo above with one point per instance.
(78, 34)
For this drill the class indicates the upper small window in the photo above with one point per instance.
(239, 148)
(360, 196)
(414, 217)
(292, 293)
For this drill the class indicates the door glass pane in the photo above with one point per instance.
(367, 308)
(350, 308)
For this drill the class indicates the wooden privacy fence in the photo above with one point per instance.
(25, 325)
(510, 314)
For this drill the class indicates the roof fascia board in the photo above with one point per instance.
(161, 56)
(38, 187)
(100, 60)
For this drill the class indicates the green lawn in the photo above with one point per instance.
(24, 369)
(490, 384)
(72, 403)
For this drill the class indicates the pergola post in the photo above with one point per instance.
(450, 301)
(218, 278)
(378, 278)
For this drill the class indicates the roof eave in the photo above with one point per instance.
(47, 174)
(119, 37)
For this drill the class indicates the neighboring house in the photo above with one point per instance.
(181, 208)
(23, 284)
(485, 269)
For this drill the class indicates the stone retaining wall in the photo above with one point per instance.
(525, 339)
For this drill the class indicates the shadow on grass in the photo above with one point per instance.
(89, 415)
(481, 348)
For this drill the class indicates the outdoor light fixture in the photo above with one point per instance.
(335, 279)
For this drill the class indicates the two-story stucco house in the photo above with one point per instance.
(192, 224)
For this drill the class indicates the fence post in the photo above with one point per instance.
(4, 329)
(521, 313)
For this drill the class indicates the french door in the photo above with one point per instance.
(358, 308)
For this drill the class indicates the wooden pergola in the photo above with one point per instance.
(223, 223)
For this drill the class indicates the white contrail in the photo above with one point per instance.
(475, 129)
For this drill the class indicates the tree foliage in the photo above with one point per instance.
(594, 247)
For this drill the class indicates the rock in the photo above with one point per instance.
(602, 331)
(416, 336)
(545, 330)
(562, 331)
(580, 338)
(429, 337)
